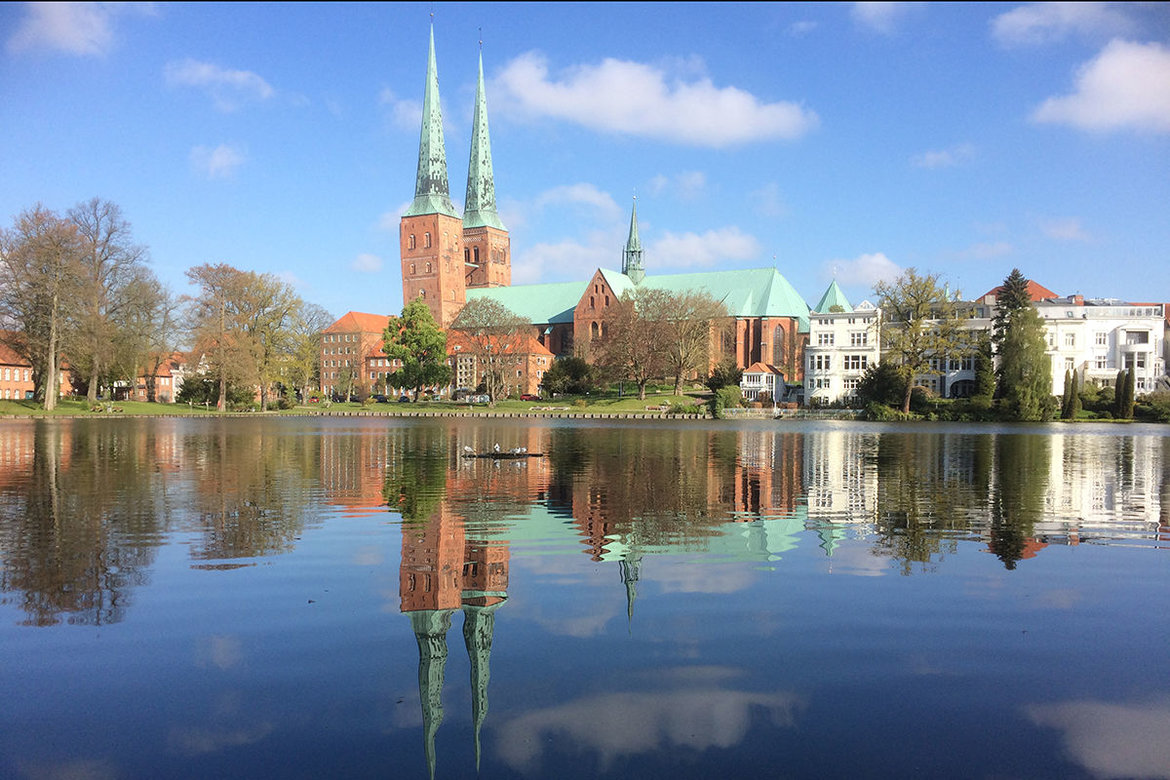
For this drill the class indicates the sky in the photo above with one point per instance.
(847, 141)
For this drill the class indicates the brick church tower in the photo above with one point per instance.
(443, 254)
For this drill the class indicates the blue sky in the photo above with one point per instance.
(855, 139)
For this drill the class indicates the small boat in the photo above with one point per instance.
(518, 453)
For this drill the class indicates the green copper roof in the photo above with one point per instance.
(480, 209)
(632, 259)
(758, 292)
(832, 297)
(537, 303)
(431, 193)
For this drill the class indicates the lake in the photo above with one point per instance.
(351, 597)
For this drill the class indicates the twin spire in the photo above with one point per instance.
(431, 190)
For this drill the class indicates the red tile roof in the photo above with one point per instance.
(359, 322)
(762, 368)
(1035, 291)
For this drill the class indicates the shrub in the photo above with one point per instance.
(681, 408)
(580, 403)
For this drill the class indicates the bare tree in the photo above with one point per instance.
(110, 261)
(687, 320)
(216, 326)
(304, 358)
(496, 337)
(149, 331)
(39, 267)
(633, 346)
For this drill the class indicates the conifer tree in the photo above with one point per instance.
(1024, 372)
(1066, 400)
(1075, 399)
(1119, 395)
(1128, 396)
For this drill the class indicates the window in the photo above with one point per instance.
(825, 339)
(428, 268)
(1070, 339)
(475, 255)
(856, 362)
(820, 362)
(858, 338)
(467, 255)
(412, 271)
(1102, 339)
(1068, 364)
(410, 241)
(426, 240)
(1101, 363)
(851, 384)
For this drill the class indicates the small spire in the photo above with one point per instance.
(632, 258)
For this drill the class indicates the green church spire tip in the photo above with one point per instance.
(632, 258)
(480, 208)
(431, 190)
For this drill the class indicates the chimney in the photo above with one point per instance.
(1079, 299)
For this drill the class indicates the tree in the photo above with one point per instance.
(882, 383)
(216, 323)
(421, 347)
(110, 263)
(920, 327)
(723, 375)
(268, 309)
(1066, 399)
(495, 337)
(568, 375)
(1025, 372)
(687, 318)
(303, 364)
(40, 263)
(984, 371)
(633, 346)
(1127, 402)
(1075, 401)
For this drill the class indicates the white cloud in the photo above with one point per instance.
(389, 221)
(1039, 23)
(879, 17)
(218, 163)
(1064, 229)
(404, 114)
(83, 29)
(634, 98)
(988, 250)
(228, 89)
(801, 28)
(685, 186)
(1112, 740)
(1126, 86)
(768, 201)
(692, 250)
(580, 194)
(617, 725)
(366, 263)
(944, 158)
(865, 271)
(564, 259)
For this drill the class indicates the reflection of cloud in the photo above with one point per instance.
(702, 578)
(1112, 740)
(223, 652)
(82, 769)
(195, 740)
(859, 562)
(625, 724)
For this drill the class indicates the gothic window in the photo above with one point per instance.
(426, 239)
(412, 269)
(592, 302)
(475, 255)
(428, 268)
(466, 255)
(593, 332)
(778, 346)
(410, 241)
(605, 330)
(422, 294)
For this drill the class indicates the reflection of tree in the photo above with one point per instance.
(1017, 498)
(251, 492)
(416, 473)
(921, 482)
(80, 531)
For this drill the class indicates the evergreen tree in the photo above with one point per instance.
(1127, 410)
(1119, 395)
(1066, 400)
(1024, 372)
(984, 369)
(1075, 400)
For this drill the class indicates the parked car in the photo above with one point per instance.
(379, 398)
(404, 399)
(529, 397)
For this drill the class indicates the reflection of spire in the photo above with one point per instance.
(830, 535)
(479, 624)
(631, 569)
(430, 629)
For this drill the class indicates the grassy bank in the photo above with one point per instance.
(654, 403)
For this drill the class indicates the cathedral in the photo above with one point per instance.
(448, 260)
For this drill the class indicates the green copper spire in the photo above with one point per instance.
(833, 297)
(431, 193)
(632, 259)
(479, 625)
(480, 209)
(430, 630)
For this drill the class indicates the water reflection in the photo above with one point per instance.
(706, 510)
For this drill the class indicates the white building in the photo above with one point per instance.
(842, 343)
(762, 378)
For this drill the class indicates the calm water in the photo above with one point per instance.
(350, 597)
